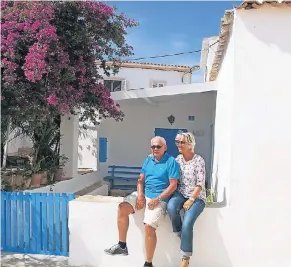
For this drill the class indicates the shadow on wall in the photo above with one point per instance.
(208, 246)
(93, 227)
(87, 143)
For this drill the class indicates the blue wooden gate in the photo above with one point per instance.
(35, 223)
(169, 135)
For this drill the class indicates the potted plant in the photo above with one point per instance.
(36, 173)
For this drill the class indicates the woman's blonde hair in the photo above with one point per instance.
(190, 139)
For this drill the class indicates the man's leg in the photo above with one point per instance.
(150, 244)
(124, 210)
(152, 220)
(174, 207)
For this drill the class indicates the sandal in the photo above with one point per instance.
(185, 262)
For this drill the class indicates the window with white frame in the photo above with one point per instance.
(156, 84)
(115, 85)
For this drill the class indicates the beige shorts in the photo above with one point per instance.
(151, 217)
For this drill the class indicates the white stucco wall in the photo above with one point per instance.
(209, 48)
(73, 185)
(87, 147)
(138, 78)
(17, 142)
(253, 144)
(129, 141)
(222, 132)
(69, 129)
(90, 216)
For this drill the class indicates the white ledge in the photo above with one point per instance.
(93, 227)
(164, 91)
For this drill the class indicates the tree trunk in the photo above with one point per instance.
(5, 150)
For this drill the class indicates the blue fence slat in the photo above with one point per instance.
(20, 220)
(27, 221)
(57, 199)
(44, 228)
(102, 149)
(35, 222)
(51, 222)
(8, 222)
(3, 220)
(64, 210)
(14, 222)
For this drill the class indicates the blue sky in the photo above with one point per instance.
(168, 27)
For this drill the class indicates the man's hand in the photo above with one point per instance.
(153, 203)
(188, 204)
(140, 202)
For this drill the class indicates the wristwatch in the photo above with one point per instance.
(159, 199)
(192, 199)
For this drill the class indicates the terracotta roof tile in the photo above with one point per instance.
(250, 4)
(155, 66)
(131, 64)
(226, 24)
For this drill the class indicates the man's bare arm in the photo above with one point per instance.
(170, 189)
(140, 185)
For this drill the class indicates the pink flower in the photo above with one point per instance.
(64, 108)
(35, 65)
(35, 25)
(2, 97)
(52, 100)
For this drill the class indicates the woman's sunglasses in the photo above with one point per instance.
(178, 142)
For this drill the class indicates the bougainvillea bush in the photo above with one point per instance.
(49, 52)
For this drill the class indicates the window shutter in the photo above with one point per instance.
(102, 149)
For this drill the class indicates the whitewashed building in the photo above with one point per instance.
(134, 77)
(250, 223)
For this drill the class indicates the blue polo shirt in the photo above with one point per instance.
(157, 174)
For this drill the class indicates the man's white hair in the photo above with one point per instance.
(159, 138)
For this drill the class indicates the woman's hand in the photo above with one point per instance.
(188, 204)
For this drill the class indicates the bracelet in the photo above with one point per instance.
(192, 199)
(159, 199)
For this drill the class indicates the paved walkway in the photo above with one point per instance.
(29, 260)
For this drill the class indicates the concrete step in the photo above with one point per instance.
(119, 192)
(93, 188)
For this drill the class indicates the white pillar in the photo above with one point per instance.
(69, 144)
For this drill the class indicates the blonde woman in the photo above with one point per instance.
(190, 194)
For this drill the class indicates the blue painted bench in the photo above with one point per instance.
(122, 177)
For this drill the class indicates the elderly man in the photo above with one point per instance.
(156, 183)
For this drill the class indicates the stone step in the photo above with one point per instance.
(120, 193)
(89, 189)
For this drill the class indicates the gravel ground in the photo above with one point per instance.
(29, 260)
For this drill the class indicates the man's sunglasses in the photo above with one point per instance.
(156, 147)
(178, 142)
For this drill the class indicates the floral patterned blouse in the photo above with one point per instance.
(192, 174)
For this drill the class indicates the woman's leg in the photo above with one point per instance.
(187, 228)
(174, 206)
